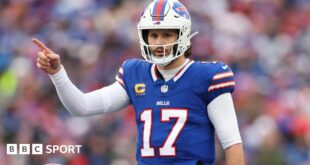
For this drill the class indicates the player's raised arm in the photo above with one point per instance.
(107, 99)
(47, 60)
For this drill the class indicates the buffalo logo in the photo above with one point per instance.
(181, 10)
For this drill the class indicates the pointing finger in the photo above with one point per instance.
(41, 45)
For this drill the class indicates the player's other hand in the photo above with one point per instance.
(47, 60)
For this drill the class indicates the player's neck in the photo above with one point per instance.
(174, 64)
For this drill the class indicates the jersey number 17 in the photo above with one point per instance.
(168, 148)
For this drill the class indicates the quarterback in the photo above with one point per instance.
(180, 104)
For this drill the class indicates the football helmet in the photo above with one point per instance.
(165, 14)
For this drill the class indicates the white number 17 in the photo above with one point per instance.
(168, 148)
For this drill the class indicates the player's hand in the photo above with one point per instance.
(47, 60)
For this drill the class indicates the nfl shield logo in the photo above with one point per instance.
(164, 88)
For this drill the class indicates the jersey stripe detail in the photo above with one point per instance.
(118, 79)
(223, 75)
(121, 71)
(153, 72)
(182, 71)
(119, 76)
(221, 85)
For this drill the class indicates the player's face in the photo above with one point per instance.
(161, 37)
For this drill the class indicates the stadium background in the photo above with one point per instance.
(266, 42)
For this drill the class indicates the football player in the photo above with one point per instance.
(179, 103)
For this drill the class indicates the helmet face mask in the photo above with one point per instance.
(165, 14)
(166, 58)
(170, 50)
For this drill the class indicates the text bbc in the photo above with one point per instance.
(38, 149)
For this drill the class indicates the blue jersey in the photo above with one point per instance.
(172, 119)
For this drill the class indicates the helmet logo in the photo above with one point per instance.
(181, 10)
(159, 10)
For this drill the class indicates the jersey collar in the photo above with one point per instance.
(177, 76)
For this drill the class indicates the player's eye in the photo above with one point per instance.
(167, 35)
(153, 35)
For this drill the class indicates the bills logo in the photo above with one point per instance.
(181, 10)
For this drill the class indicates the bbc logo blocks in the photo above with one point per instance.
(24, 149)
(38, 149)
(11, 149)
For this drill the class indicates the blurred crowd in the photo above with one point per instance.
(266, 42)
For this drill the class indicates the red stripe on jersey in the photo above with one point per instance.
(121, 71)
(155, 68)
(118, 79)
(223, 75)
(181, 69)
(221, 85)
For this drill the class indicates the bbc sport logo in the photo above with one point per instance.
(39, 149)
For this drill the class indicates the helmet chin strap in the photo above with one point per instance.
(164, 64)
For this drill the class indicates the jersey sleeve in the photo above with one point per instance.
(222, 81)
